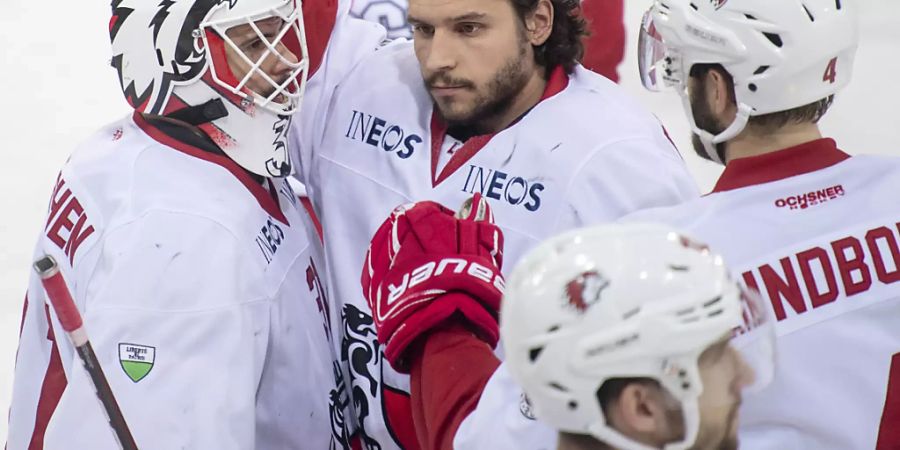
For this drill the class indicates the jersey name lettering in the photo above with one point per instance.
(67, 223)
(817, 276)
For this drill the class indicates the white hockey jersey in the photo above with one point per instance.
(818, 234)
(587, 153)
(200, 290)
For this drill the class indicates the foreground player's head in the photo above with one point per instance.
(478, 56)
(758, 66)
(633, 337)
(235, 69)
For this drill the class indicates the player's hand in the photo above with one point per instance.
(425, 265)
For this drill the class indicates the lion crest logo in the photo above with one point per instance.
(585, 290)
(155, 50)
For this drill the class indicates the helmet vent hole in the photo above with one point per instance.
(631, 313)
(553, 329)
(715, 313)
(679, 268)
(695, 7)
(558, 387)
(761, 70)
(748, 16)
(775, 39)
(752, 87)
(712, 302)
(837, 4)
(573, 405)
(809, 13)
(684, 312)
(534, 353)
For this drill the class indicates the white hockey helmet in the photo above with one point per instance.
(623, 301)
(171, 60)
(781, 54)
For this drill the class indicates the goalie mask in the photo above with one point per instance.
(632, 301)
(237, 69)
(781, 54)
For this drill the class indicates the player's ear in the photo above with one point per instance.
(644, 412)
(539, 23)
(720, 95)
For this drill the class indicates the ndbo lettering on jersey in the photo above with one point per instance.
(502, 186)
(836, 271)
(382, 135)
(68, 224)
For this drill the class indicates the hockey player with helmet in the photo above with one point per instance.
(634, 337)
(814, 229)
(195, 268)
(488, 98)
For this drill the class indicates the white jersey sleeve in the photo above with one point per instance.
(347, 42)
(629, 175)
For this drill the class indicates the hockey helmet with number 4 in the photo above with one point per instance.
(172, 58)
(781, 54)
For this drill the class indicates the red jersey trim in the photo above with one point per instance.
(267, 199)
(52, 389)
(793, 161)
(319, 18)
(557, 82)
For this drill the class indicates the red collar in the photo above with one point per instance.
(804, 158)
(268, 199)
(555, 84)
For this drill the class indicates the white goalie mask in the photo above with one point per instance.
(630, 301)
(174, 56)
(781, 54)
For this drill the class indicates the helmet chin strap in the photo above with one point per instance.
(710, 140)
(199, 114)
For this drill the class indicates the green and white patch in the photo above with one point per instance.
(136, 360)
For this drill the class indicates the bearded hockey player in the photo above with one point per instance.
(814, 229)
(488, 98)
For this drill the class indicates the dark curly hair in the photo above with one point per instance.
(564, 47)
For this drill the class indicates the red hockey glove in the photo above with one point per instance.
(424, 265)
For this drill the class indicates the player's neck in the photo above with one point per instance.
(750, 143)
(527, 98)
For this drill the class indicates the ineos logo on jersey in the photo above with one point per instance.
(269, 239)
(378, 133)
(502, 186)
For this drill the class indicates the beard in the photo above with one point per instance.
(705, 120)
(491, 101)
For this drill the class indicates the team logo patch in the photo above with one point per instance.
(136, 360)
(584, 291)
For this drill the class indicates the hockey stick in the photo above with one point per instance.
(70, 319)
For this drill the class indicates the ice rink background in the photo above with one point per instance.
(59, 87)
